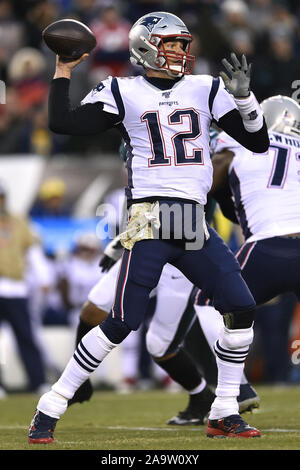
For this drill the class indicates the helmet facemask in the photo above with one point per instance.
(176, 64)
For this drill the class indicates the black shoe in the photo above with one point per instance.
(247, 399)
(196, 411)
(41, 429)
(84, 393)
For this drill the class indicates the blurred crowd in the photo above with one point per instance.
(267, 31)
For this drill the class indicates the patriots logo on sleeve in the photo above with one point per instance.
(150, 22)
(99, 87)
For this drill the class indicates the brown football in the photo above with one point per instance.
(69, 39)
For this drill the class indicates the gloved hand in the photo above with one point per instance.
(239, 83)
(106, 263)
(112, 253)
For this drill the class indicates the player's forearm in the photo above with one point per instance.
(88, 119)
(233, 125)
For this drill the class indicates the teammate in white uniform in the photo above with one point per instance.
(169, 165)
(265, 191)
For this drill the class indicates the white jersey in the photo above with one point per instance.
(266, 187)
(81, 276)
(168, 132)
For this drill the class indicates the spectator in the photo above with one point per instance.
(25, 75)
(79, 273)
(16, 240)
(260, 12)
(51, 202)
(111, 55)
(12, 119)
(40, 14)
(11, 29)
(277, 70)
(234, 15)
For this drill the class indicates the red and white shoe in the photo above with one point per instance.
(41, 429)
(231, 426)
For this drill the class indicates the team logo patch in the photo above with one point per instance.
(150, 22)
(99, 87)
(253, 115)
(166, 94)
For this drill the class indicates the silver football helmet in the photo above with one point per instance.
(282, 114)
(146, 43)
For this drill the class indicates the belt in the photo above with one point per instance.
(291, 235)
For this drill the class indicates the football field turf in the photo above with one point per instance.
(136, 421)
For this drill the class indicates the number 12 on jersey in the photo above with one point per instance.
(179, 139)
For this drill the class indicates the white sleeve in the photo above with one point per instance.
(102, 93)
(38, 264)
(226, 142)
(223, 102)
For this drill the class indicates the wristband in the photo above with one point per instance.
(250, 112)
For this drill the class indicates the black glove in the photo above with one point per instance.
(106, 263)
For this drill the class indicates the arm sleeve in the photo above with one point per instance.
(232, 124)
(92, 117)
(224, 111)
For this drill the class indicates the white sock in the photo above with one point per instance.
(223, 406)
(244, 379)
(231, 352)
(92, 349)
(199, 388)
(211, 322)
(52, 404)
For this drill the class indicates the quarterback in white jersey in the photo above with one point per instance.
(169, 165)
(177, 132)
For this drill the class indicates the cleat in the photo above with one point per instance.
(247, 399)
(84, 393)
(231, 426)
(41, 429)
(197, 410)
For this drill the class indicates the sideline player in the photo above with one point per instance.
(165, 117)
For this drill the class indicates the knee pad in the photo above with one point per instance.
(236, 339)
(155, 345)
(239, 319)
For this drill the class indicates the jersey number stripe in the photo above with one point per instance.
(280, 166)
(158, 147)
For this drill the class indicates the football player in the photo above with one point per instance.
(165, 116)
(265, 191)
(174, 315)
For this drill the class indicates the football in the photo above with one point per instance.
(69, 39)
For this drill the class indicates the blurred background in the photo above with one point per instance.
(54, 183)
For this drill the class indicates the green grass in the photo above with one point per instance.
(137, 422)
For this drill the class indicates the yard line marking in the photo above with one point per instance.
(190, 429)
(280, 430)
(116, 428)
